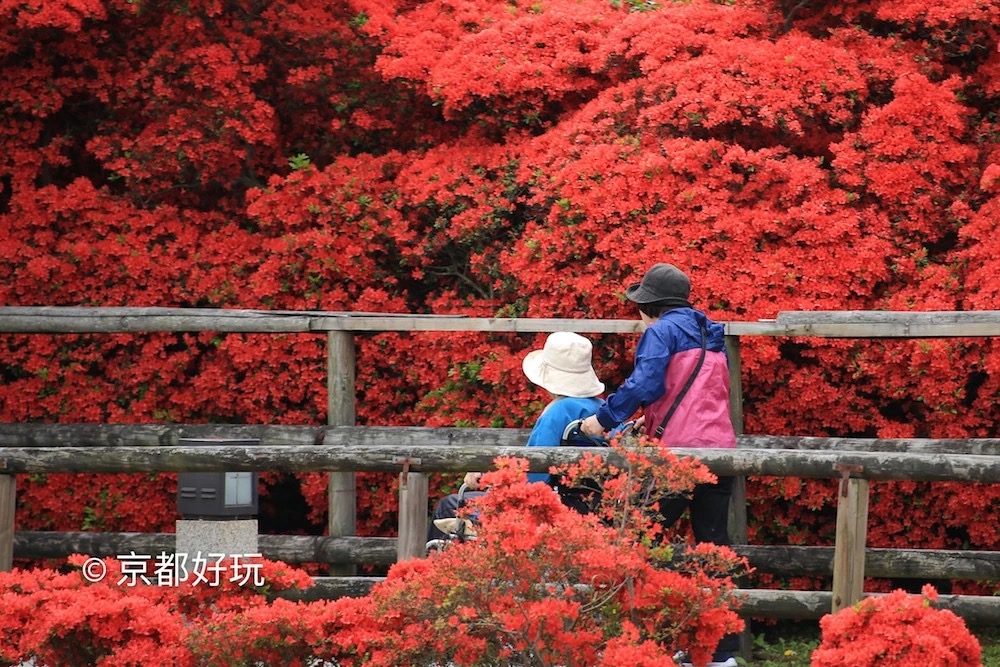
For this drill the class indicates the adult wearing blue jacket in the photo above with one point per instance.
(681, 380)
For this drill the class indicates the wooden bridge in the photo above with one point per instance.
(343, 449)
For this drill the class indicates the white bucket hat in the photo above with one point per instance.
(563, 366)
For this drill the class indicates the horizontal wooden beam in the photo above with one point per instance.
(975, 446)
(153, 435)
(331, 588)
(874, 324)
(157, 435)
(65, 320)
(416, 435)
(782, 560)
(444, 458)
(415, 323)
(900, 317)
(286, 548)
(880, 563)
(755, 603)
(862, 330)
(824, 324)
(980, 610)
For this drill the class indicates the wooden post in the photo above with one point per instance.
(738, 501)
(413, 487)
(849, 549)
(8, 502)
(342, 495)
(738, 533)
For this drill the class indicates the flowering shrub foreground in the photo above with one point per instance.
(541, 585)
(896, 630)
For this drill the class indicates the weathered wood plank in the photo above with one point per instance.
(417, 323)
(285, 548)
(849, 552)
(64, 320)
(833, 324)
(442, 458)
(54, 544)
(755, 603)
(902, 317)
(738, 500)
(84, 435)
(928, 564)
(880, 324)
(331, 588)
(427, 436)
(278, 458)
(341, 411)
(783, 604)
(333, 550)
(417, 435)
(151, 435)
(8, 506)
(784, 560)
(863, 330)
(350, 550)
(973, 446)
(737, 520)
(412, 516)
(979, 610)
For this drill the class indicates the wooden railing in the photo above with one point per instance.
(45, 448)
(343, 449)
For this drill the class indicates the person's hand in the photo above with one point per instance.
(592, 427)
(639, 425)
(471, 480)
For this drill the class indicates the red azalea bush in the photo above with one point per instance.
(543, 584)
(113, 619)
(896, 630)
(514, 159)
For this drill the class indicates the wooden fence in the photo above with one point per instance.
(343, 449)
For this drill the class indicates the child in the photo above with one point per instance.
(563, 368)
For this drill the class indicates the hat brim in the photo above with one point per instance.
(559, 382)
(636, 293)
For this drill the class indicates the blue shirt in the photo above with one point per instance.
(548, 430)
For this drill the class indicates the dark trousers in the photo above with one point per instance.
(709, 509)
(709, 506)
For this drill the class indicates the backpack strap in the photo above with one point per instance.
(686, 387)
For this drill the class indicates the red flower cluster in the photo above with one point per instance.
(542, 584)
(63, 619)
(896, 630)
